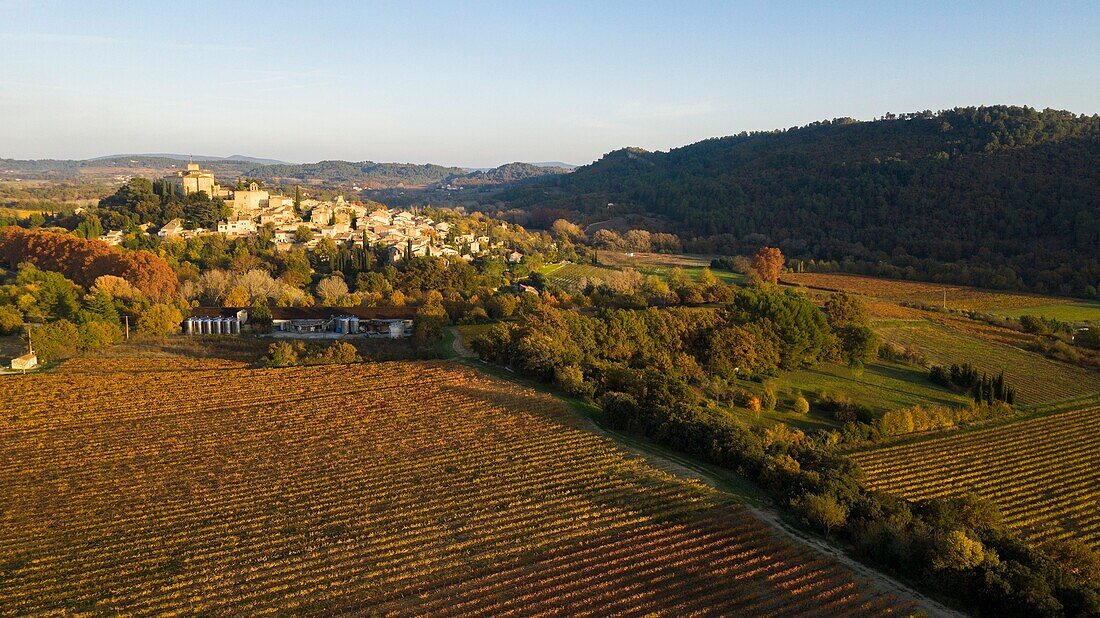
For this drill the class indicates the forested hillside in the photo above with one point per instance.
(326, 173)
(389, 175)
(1005, 197)
(367, 172)
(507, 173)
(113, 166)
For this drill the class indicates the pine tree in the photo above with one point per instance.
(102, 307)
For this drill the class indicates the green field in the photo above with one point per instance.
(662, 264)
(1069, 311)
(881, 386)
(570, 274)
(694, 272)
(1037, 379)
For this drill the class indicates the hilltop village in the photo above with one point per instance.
(306, 221)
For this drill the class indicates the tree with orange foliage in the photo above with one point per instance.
(768, 263)
(84, 261)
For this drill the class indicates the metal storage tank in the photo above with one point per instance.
(187, 326)
(219, 326)
(205, 326)
(235, 327)
(338, 325)
(353, 325)
(345, 325)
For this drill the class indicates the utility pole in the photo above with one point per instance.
(30, 345)
(127, 318)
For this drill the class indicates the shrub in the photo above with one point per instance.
(801, 406)
(822, 511)
(477, 315)
(97, 335)
(282, 354)
(55, 340)
(11, 320)
(502, 306)
(571, 380)
(259, 315)
(339, 353)
(159, 320)
(753, 404)
(768, 398)
(429, 323)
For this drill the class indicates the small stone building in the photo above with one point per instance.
(25, 362)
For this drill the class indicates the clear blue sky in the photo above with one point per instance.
(479, 83)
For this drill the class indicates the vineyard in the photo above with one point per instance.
(1037, 379)
(167, 486)
(1043, 474)
(957, 297)
(571, 275)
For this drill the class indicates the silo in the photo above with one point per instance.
(187, 326)
(353, 325)
(345, 325)
(205, 328)
(219, 326)
(235, 327)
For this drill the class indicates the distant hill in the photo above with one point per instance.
(183, 157)
(363, 173)
(107, 168)
(564, 166)
(507, 173)
(369, 174)
(1005, 197)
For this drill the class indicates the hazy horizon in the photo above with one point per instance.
(480, 85)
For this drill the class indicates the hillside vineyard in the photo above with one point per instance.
(1044, 474)
(190, 487)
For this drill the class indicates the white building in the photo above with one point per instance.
(238, 228)
(25, 362)
(114, 237)
(172, 228)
